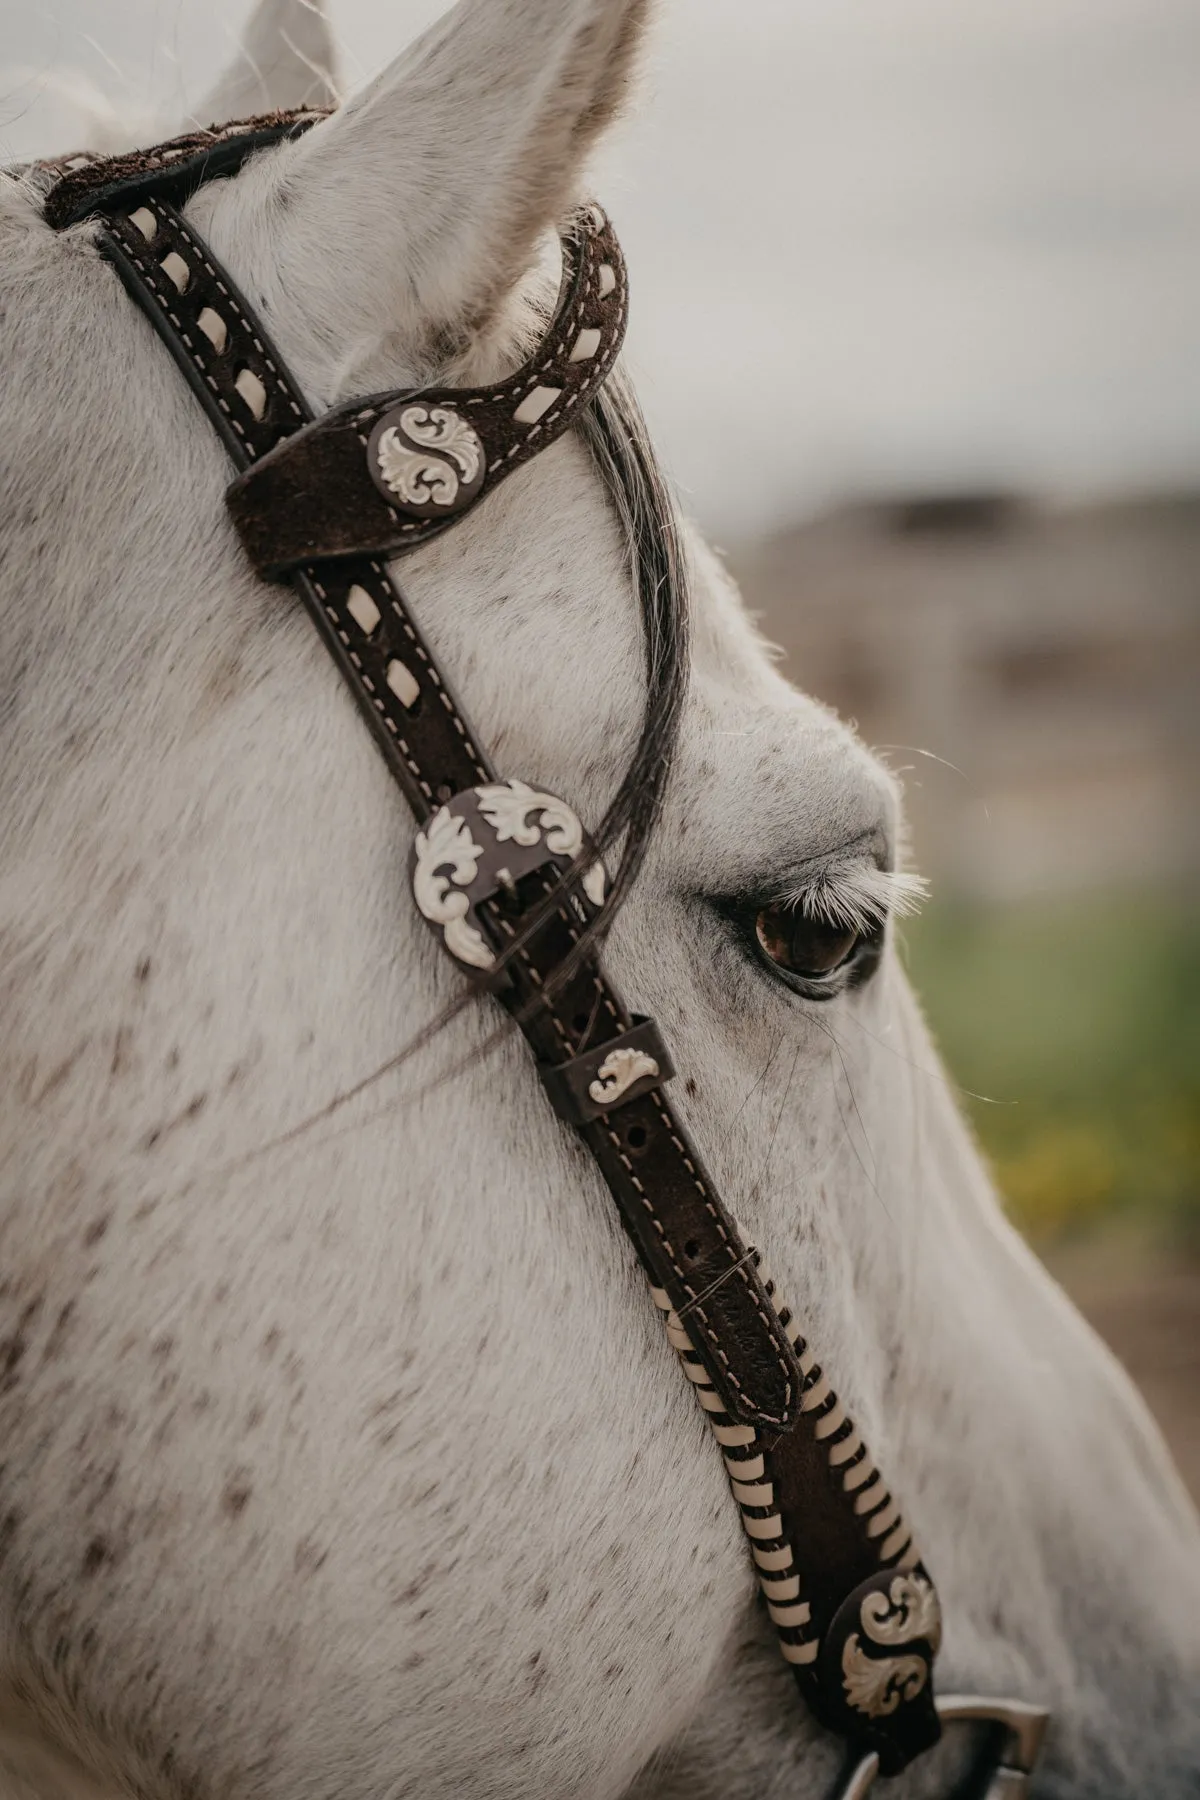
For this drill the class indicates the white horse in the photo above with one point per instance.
(358, 1466)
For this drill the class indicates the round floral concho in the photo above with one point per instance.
(426, 460)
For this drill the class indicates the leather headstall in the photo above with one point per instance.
(323, 501)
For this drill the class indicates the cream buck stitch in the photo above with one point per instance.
(912, 1610)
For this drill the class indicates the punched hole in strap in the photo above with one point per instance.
(609, 1076)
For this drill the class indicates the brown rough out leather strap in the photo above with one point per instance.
(321, 494)
(89, 185)
(415, 717)
(855, 1611)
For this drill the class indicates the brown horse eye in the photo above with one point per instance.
(803, 946)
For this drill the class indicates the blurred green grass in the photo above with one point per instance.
(1076, 1024)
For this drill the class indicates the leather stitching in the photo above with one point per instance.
(240, 335)
(180, 224)
(377, 701)
(238, 324)
(732, 1250)
(696, 1310)
(561, 345)
(155, 280)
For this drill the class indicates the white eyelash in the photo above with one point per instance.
(858, 898)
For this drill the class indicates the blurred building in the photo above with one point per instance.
(1051, 656)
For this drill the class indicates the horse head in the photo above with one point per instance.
(342, 1450)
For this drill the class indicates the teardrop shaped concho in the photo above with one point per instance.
(480, 844)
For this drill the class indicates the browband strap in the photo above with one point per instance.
(380, 474)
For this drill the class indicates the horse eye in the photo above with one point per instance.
(805, 947)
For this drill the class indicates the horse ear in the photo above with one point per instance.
(287, 59)
(414, 210)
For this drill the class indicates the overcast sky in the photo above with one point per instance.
(874, 243)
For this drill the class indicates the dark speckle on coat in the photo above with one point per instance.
(58, 1074)
(192, 1110)
(98, 1553)
(58, 1333)
(236, 1495)
(122, 1046)
(9, 1523)
(14, 1346)
(537, 1671)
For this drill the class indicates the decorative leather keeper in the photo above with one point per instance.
(609, 1075)
(378, 475)
(481, 844)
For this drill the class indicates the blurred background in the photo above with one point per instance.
(916, 318)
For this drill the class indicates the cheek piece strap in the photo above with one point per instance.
(319, 503)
